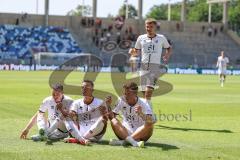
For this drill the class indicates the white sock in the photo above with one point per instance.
(131, 141)
(72, 128)
(41, 124)
(53, 126)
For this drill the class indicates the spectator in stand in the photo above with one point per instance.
(221, 28)
(96, 32)
(118, 37)
(158, 26)
(210, 30)
(102, 41)
(89, 22)
(98, 23)
(24, 17)
(130, 29)
(110, 27)
(17, 21)
(178, 26)
(102, 33)
(108, 36)
(97, 42)
(83, 21)
(92, 22)
(119, 22)
(203, 29)
(215, 31)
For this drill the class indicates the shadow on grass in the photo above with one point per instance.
(165, 147)
(192, 129)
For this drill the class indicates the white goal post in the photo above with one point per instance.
(56, 59)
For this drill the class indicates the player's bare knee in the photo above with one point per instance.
(149, 125)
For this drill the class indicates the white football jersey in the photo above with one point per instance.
(131, 120)
(87, 114)
(151, 48)
(222, 63)
(49, 105)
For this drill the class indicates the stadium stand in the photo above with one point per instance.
(17, 41)
(197, 49)
(192, 47)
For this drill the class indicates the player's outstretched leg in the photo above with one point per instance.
(73, 130)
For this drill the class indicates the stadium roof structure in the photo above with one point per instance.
(225, 10)
(140, 9)
(94, 9)
(217, 1)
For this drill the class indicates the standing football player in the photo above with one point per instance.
(150, 47)
(222, 67)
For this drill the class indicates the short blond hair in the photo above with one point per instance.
(150, 20)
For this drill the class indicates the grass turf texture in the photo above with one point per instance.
(213, 133)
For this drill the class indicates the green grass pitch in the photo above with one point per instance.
(213, 132)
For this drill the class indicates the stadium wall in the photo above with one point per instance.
(74, 22)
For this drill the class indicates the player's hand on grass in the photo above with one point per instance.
(24, 134)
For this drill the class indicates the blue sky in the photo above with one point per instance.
(61, 7)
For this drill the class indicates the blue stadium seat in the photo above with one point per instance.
(19, 40)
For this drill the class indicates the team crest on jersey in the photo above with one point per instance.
(124, 107)
(80, 107)
(52, 107)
